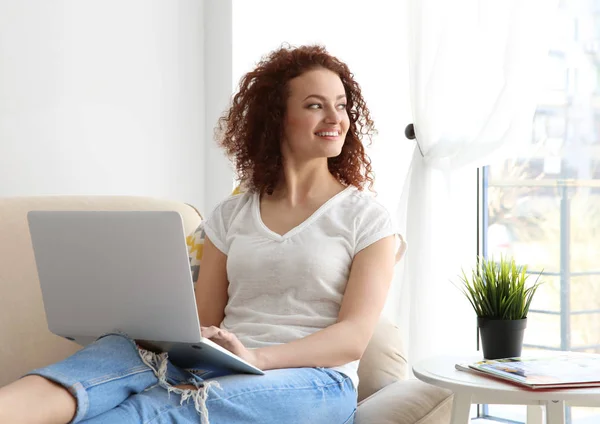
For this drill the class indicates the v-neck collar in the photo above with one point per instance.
(316, 214)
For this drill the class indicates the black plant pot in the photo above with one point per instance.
(501, 338)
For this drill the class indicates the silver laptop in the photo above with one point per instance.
(123, 271)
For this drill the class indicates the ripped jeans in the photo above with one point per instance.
(115, 382)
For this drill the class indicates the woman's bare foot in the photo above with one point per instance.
(34, 399)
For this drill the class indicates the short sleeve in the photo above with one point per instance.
(375, 224)
(215, 229)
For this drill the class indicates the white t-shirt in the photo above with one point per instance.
(283, 288)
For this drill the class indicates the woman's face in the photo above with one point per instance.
(316, 121)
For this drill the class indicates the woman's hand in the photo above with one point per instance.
(230, 342)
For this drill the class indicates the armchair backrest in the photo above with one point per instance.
(383, 361)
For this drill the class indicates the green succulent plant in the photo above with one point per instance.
(499, 290)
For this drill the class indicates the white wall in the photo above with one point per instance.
(102, 97)
(218, 56)
(121, 97)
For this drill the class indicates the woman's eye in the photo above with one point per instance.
(314, 106)
(342, 106)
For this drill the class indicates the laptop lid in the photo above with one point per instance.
(105, 271)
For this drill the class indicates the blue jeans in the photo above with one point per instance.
(114, 382)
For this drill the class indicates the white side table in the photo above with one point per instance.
(469, 388)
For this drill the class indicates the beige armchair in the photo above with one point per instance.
(386, 396)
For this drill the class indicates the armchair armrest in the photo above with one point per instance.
(406, 402)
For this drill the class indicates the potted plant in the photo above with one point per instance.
(500, 296)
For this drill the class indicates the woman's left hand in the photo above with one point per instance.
(230, 342)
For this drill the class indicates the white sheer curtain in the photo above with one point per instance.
(474, 67)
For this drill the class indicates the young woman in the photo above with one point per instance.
(293, 279)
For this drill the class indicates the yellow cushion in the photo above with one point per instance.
(195, 243)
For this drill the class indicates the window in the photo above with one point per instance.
(543, 204)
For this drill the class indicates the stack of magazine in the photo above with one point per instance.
(560, 370)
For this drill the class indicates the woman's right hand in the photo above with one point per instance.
(229, 341)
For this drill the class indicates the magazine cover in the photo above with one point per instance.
(559, 370)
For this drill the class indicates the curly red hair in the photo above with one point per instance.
(252, 129)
